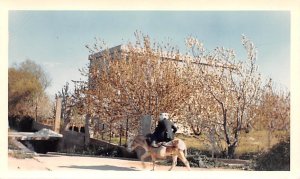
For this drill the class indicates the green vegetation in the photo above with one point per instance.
(26, 92)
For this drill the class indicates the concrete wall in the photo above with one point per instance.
(71, 140)
(123, 150)
(39, 126)
(74, 140)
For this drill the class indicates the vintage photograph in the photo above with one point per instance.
(92, 91)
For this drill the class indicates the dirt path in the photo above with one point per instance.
(82, 163)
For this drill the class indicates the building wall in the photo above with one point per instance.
(38, 126)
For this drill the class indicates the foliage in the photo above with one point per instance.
(21, 123)
(22, 87)
(277, 158)
(37, 71)
(26, 90)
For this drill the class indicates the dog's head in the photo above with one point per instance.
(163, 116)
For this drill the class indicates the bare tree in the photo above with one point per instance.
(142, 79)
(230, 86)
(273, 112)
(211, 91)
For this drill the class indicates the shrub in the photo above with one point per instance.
(278, 158)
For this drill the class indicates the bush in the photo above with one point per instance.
(21, 123)
(278, 158)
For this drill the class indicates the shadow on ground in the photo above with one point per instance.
(102, 167)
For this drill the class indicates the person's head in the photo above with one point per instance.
(163, 116)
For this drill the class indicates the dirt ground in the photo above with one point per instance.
(54, 162)
(61, 166)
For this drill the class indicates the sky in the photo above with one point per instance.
(56, 39)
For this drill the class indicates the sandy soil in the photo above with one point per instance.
(82, 163)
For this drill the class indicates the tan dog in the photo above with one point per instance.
(173, 148)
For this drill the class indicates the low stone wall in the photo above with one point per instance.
(72, 141)
(101, 143)
(109, 146)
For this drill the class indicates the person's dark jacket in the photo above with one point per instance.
(164, 131)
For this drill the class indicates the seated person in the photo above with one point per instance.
(164, 131)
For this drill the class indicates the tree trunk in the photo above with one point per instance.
(110, 133)
(231, 151)
(120, 135)
(36, 109)
(87, 131)
(102, 132)
(126, 130)
(269, 138)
